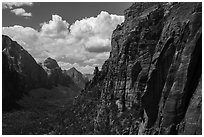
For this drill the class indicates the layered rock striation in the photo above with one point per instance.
(151, 83)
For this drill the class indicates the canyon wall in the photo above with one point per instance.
(151, 83)
(20, 72)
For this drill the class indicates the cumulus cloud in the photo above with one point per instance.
(21, 12)
(102, 25)
(10, 5)
(98, 59)
(83, 44)
(96, 31)
(14, 8)
(97, 44)
(55, 27)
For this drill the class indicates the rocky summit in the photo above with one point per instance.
(56, 75)
(50, 63)
(151, 83)
(77, 77)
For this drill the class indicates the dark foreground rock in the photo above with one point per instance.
(151, 83)
(20, 72)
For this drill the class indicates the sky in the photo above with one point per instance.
(75, 34)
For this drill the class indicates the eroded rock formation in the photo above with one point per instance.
(151, 83)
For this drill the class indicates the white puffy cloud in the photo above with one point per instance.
(102, 25)
(98, 59)
(10, 5)
(97, 44)
(55, 27)
(18, 11)
(84, 44)
(95, 32)
(21, 12)
(25, 36)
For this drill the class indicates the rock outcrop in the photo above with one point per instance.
(151, 83)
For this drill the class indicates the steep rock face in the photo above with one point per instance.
(53, 70)
(192, 123)
(77, 77)
(20, 72)
(151, 82)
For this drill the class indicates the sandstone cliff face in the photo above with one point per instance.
(20, 72)
(151, 83)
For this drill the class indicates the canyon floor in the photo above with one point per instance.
(40, 113)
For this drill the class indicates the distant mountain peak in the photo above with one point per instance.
(50, 63)
(74, 72)
(77, 76)
(49, 58)
(73, 68)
